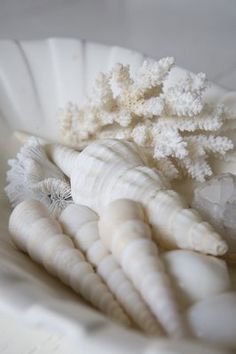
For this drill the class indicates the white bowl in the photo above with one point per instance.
(36, 78)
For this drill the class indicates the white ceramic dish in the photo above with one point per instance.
(35, 79)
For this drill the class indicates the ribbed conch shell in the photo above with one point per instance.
(111, 169)
(41, 236)
(123, 230)
(81, 223)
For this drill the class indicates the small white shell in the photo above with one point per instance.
(214, 319)
(36, 233)
(196, 276)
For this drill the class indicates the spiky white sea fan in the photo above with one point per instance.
(33, 176)
(162, 112)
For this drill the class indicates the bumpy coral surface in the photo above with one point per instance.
(161, 112)
(32, 175)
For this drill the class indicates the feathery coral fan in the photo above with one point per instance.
(163, 112)
(33, 176)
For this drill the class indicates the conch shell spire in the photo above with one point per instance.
(111, 169)
(81, 223)
(63, 156)
(41, 236)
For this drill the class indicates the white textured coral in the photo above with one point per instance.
(163, 112)
(32, 175)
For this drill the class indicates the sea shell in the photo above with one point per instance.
(81, 223)
(123, 229)
(56, 252)
(214, 319)
(37, 77)
(196, 276)
(111, 169)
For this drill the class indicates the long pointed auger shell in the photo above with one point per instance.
(123, 229)
(81, 223)
(111, 169)
(41, 236)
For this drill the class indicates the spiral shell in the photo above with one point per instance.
(111, 169)
(82, 224)
(124, 231)
(41, 236)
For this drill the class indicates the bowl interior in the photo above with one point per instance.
(36, 79)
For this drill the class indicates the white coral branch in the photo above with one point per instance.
(152, 74)
(161, 112)
(184, 97)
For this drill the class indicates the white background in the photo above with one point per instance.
(200, 34)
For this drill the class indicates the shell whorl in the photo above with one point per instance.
(111, 169)
(82, 224)
(63, 156)
(41, 236)
(123, 229)
(170, 215)
(33, 211)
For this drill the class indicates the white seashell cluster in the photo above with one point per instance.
(81, 223)
(57, 253)
(112, 169)
(124, 231)
(107, 253)
(159, 108)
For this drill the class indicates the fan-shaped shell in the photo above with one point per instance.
(45, 75)
(36, 78)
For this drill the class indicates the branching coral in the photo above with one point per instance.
(164, 114)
